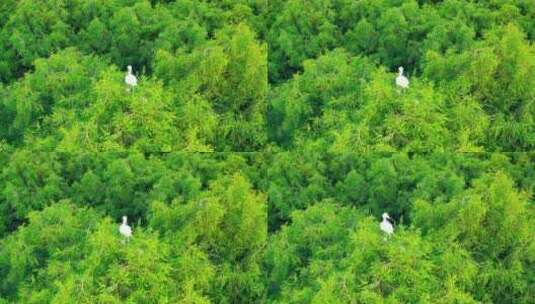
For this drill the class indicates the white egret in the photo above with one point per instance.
(386, 225)
(125, 230)
(130, 79)
(402, 81)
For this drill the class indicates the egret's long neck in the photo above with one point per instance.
(124, 221)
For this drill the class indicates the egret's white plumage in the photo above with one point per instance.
(386, 226)
(402, 81)
(130, 79)
(125, 230)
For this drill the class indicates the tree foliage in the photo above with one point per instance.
(260, 147)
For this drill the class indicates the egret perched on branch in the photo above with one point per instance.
(125, 230)
(402, 81)
(130, 79)
(386, 225)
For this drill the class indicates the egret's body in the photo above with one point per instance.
(125, 230)
(130, 79)
(401, 80)
(385, 225)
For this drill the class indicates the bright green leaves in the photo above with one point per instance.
(325, 96)
(211, 56)
(395, 269)
(227, 78)
(142, 118)
(244, 217)
(54, 95)
(499, 76)
(477, 57)
(228, 224)
(208, 58)
(45, 252)
(233, 76)
(479, 99)
(115, 271)
(202, 248)
(214, 107)
(489, 221)
(297, 219)
(345, 103)
(392, 119)
(331, 254)
(307, 249)
(462, 228)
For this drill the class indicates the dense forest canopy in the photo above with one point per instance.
(202, 65)
(471, 65)
(260, 147)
